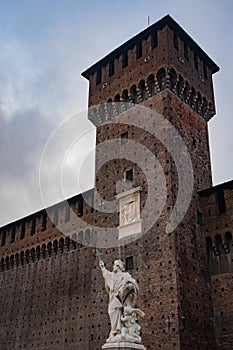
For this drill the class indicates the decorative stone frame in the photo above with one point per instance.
(129, 208)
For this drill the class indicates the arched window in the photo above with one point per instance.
(161, 77)
(186, 92)
(55, 246)
(102, 112)
(133, 94)
(172, 79)
(204, 107)
(38, 252)
(12, 260)
(67, 243)
(49, 248)
(192, 97)
(22, 257)
(27, 256)
(180, 86)
(110, 107)
(17, 259)
(87, 236)
(142, 89)
(80, 237)
(117, 101)
(198, 103)
(74, 240)
(218, 244)
(125, 98)
(151, 84)
(7, 262)
(228, 241)
(43, 250)
(33, 254)
(61, 244)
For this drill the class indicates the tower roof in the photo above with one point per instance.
(167, 20)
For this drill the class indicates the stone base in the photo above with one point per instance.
(123, 346)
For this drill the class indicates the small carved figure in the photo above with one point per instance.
(131, 330)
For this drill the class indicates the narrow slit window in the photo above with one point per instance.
(13, 234)
(22, 234)
(221, 202)
(111, 68)
(175, 41)
(98, 77)
(125, 59)
(3, 238)
(80, 206)
(124, 138)
(33, 226)
(139, 50)
(154, 40)
(44, 222)
(129, 175)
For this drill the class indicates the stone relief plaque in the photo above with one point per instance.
(129, 208)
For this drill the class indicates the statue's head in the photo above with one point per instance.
(118, 265)
(128, 310)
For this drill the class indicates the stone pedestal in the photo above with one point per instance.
(123, 346)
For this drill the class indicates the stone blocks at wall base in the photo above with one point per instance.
(123, 346)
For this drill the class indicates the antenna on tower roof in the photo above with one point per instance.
(148, 21)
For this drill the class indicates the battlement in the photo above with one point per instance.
(162, 56)
(38, 229)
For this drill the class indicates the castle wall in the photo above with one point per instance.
(217, 207)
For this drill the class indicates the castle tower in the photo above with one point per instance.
(163, 69)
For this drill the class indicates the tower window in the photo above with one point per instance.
(129, 263)
(80, 206)
(129, 175)
(195, 61)
(124, 138)
(204, 70)
(33, 227)
(3, 238)
(125, 59)
(111, 68)
(13, 234)
(44, 221)
(186, 52)
(175, 41)
(221, 202)
(154, 40)
(139, 50)
(22, 235)
(98, 77)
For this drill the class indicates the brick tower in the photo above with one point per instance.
(163, 69)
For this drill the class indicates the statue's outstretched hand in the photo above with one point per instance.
(101, 263)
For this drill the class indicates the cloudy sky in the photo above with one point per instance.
(45, 45)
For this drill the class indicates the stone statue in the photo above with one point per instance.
(122, 290)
